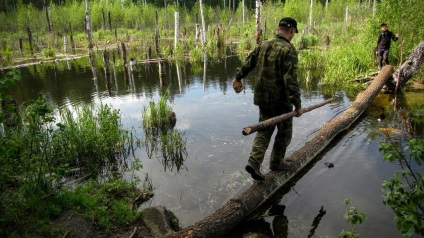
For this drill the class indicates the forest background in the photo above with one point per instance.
(350, 27)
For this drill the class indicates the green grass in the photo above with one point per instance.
(37, 159)
(109, 203)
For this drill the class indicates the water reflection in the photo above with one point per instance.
(210, 121)
(171, 144)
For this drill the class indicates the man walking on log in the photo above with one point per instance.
(383, 45)
(276, 91)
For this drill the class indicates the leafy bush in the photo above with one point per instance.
(404, 193)
(49, 53)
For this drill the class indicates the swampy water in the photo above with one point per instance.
(210, 117)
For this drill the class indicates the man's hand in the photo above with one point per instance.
(237, 85)
(299, 113)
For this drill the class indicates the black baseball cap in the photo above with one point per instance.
(288, 22)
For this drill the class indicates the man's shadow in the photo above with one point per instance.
(280, 223)
(277, 228)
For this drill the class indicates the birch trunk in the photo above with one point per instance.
(310, 13)
(177, 29)
(242, 2)
(203, 23)
(258, 21)
(374, 7)
(347, 14)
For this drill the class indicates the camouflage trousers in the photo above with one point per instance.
(263, 138)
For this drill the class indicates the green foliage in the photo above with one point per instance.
(93, 139)
(418, 118)
(109, 203)
(307, 41)
(312, 59)
(49, 53)
(6, 55)
(348, 234)
(354, 217)
(10, 78)
(246, 43)
(346, 62)
(296, 9)
(404, 192)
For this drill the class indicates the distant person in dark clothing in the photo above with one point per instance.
(383, 45)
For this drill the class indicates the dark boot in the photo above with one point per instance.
(255, 172)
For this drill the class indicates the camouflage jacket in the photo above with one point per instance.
(276, 84)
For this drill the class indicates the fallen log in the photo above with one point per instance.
(411, 66)
(235, 210)
(56, 59)
(274, 120)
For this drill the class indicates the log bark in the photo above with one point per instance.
(30, 40)
(237, 209)
(411, 65)
(272, 121)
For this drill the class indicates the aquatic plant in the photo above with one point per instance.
(92, 138)
(354, 217)
(158, 123)
(159, 116)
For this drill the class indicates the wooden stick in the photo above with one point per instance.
(134, 232)
(272, 121)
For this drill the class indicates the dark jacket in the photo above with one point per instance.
(384, 40)
(276, 84)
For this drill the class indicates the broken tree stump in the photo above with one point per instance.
(411, 66)
(235, 210)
